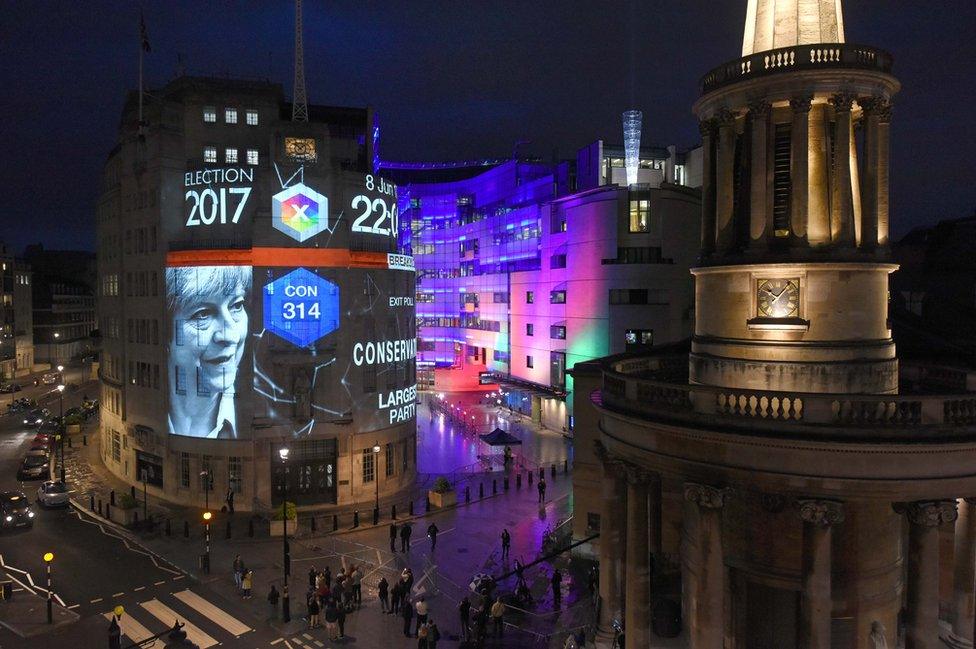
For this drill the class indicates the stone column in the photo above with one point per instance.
(761, 217)
(800, 168)
(884, 128)
(637, 612)
(703, 570)
(816, 601)
(707, 129)
(613, 540)
(963, 575)
(842, 195)
(922, 588)
(724, 182)
(818, 199)
(869, 180)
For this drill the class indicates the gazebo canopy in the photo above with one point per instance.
(499, 437)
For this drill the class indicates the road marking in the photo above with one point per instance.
(306, 636)
(136, 590)
(117, 594)
(178, 578)
(213, 613)
(164, 614)
(132, 629)
(95, 601)
(73, 606)
(318, 643)
(274, 642)
(125, 542)
(159, 583)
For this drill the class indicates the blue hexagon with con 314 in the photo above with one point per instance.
(301, 307)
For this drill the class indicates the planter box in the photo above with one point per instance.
(73, 428)
(446, 499)
(278, 527)
(126, 516)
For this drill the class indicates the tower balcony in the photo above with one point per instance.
(820, 56)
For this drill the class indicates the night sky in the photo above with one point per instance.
(450, 79)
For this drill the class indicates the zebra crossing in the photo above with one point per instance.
(205, 623)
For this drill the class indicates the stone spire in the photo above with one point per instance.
(771, 24)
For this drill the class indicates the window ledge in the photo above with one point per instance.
(778, 324)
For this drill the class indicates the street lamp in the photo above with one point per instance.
(207, 484)
(376, 479)
(61, 427)
(49, 559)
(206, 522)
(285, 604)
(50, 348)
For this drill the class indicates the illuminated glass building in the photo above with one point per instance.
(252, 297)
(524, 268)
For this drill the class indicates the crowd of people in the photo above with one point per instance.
(330, 598)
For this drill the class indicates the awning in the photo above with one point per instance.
(499, 437)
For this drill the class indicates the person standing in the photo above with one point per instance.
(393, 537)
(331, 619)
(405, 532)
(230, 501)
(506, 543)
(498, 617)
(557, 593)
(406, 612)
(464, 611)
(246, 582)
(341, 621)
(397, 595)
(327, 577)
(432, 533)
(273, 602)
(238, 570)
(433, 635)
(422, 609)
(542, 490)
(422, 636)
(384, 595)
(407, 577)
(312, 577)
(313, 612)
(356, 577)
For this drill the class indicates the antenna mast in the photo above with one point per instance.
(299, 107)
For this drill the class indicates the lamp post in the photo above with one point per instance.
(61, 373)
(207, 483)
(376, 479)
(50, 349)
(49, 559)
(285, 603)
(206, 522)
(145, 494)
(61, 427)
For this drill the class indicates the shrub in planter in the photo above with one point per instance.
(126, 501)
(441, 485)
(74, 420)
(125, 510)
(441, 494)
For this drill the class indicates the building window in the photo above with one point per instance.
(639, 214)
(638, 338)
(210, 154)
(209, 114)
(558, 332)
(251, 117)
(530, 329)
(557, 370)
(180, 380)
(230, 155)
(528, 362)
(252, 156)
(116, 446)
(628, 296)
(390, 459)
(529, 297)
(369, 465)
(230, 115)
(185, 470)
(557, 297)
(557, 261)
(234, 474)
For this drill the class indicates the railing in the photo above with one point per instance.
(844, 414)
(798, 57)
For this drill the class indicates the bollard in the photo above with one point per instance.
(91, 502)
(111, 497)
(135, 518)
(530, 478)
(186, 529)
(411, 508)
(69, 442)
(542, 473)
(108, 511)
(355, 518)
(553, 470)
(99, 506)
(312, 522)
(426, 504)
(250, 528)
(565, 467)
(84, 439)
(393, 512)
(518, 480)
(227, 533)
(481, 490)
(132, 491)
(169, 529)
(467, 494)
(494, 486)
(376, 515)
(505, 483)
(335, 522)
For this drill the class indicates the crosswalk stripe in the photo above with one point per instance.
(168, 616)
(212, 613)
(132, 629)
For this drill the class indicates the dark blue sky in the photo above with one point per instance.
(450, 80)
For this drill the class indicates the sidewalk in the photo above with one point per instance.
(26, 615)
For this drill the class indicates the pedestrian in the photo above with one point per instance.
(498, 617)
(519, 573)
(341, 621)
(327, 577)
(422, 635)
(357, 585)
(464, 611)
(433, 635)
(246, 583)
(384, 594)
(542, 490)
(393, 537)
(506, 543)
(332, 619)
(593, 581)
(421, 608)
(405, 533)
(396, 594)
(313, 612)
(480, 624)
(238, 570)
(230, 501)
(406, 612)
(432, 534)
(273, 602)
(557, 593)
(407, 577)
(312, 576)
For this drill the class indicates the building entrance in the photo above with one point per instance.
(310, 474)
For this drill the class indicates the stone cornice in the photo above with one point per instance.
(706, 496)
(928, 513)
(822, 513)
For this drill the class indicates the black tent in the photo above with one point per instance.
(499, 437)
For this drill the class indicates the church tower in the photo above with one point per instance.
(792, 288)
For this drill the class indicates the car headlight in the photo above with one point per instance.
(30, 514)
(9, 518)
(25, 421)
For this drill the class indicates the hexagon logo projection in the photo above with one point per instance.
(300, 212)
(301, 307)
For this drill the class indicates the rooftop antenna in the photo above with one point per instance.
(299, 107)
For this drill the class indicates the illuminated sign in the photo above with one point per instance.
(400, 262)
(213, 203)
(301, 307)
(401, 403)
(376, 215)
(300, 212)
(384, 351)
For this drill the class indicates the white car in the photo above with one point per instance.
(53, 494)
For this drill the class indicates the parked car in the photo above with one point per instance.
(15, 510)
(53, 494)
(33, 467)
(9, 387)
(50, 427)
(50, 378)
(35, 418)
(73, 411)
(39, 447)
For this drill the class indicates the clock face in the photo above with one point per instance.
(298, 148)
(778, 298)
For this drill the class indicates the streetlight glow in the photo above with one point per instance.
(60, 368)
(61, 388)
(207, 516)
(283, 453)
(48, 557)
(376, 448)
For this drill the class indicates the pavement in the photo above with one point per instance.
(157, 577)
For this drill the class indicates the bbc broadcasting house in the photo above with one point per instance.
(240, 314)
